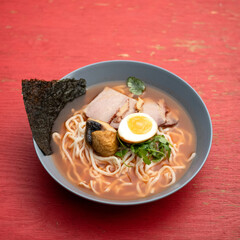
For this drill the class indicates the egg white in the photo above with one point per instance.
(128, 136)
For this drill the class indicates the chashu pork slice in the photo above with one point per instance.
(105, 105)
(156, 110)
(132, 107)
(171, 119)
(128, 108)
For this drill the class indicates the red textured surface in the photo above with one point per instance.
(198, 40)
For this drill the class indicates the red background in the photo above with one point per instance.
(197, 40)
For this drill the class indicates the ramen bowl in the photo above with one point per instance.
(159, 78)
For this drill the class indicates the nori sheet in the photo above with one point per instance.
(43, 102)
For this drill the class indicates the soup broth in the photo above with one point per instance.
(133, 182)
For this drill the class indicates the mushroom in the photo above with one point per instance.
(102, 137)
(105, 143)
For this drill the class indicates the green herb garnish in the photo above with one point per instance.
(155, 149)
(123, 148)
(136, 86)
(126, 164)
(121, 153)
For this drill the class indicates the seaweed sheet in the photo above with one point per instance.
(43, 102)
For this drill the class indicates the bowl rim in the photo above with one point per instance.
(141, 200)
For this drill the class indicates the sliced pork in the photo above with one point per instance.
(156, 110)
(105, 105)
(125, 110)
(171, 119)
(131, 109)
(112, 106)
(139, 104)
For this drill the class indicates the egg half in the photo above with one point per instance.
(137, 128)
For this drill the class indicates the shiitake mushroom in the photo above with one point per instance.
(105, 143)
(91, 126)
(101, 137)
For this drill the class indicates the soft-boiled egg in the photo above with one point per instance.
(137, 127)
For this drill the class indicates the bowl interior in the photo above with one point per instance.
(159, 78)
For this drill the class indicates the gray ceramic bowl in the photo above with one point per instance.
(164, 80)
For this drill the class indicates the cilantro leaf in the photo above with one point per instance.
(155, 149)
(121, 142)
(136, 86)
(121, 153)
(142, 153)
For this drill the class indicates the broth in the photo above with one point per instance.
(129, 192)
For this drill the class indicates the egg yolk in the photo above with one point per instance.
(139, 125)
